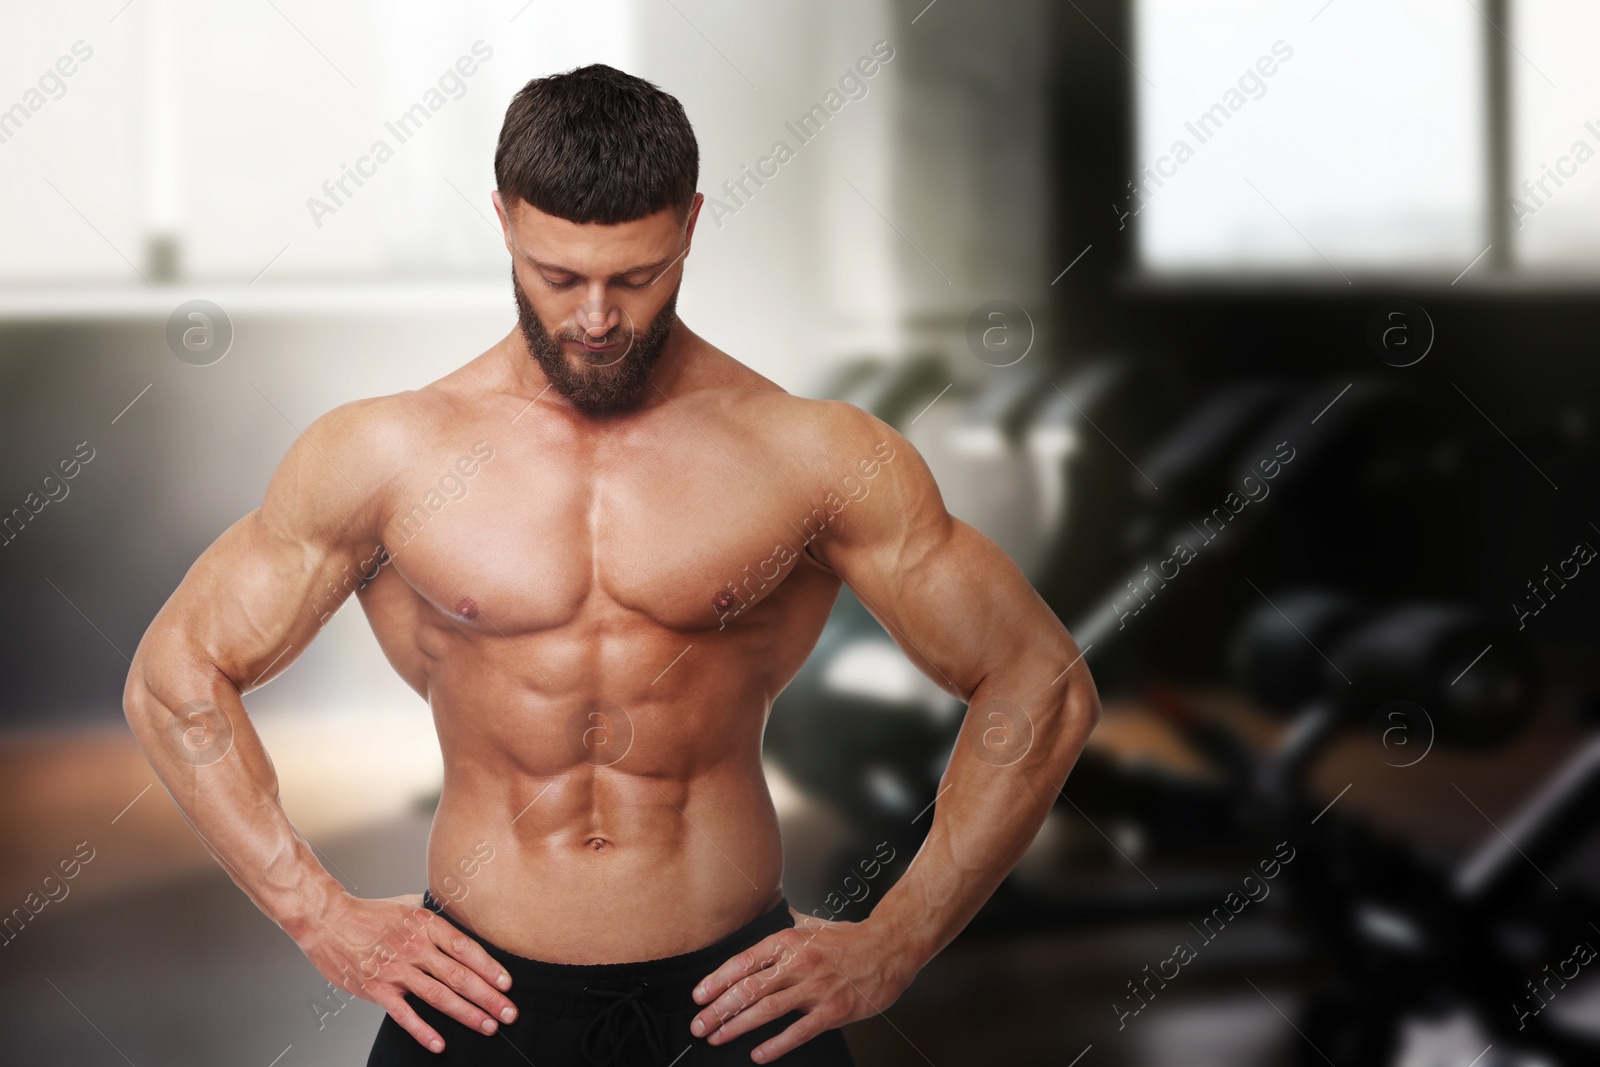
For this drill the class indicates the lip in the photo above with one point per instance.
(587, 347)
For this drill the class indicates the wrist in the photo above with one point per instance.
(306, 907)
(905, 942)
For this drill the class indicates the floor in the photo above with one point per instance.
(189, 974)
(154, 957)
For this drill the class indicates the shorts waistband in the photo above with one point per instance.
(560, 988)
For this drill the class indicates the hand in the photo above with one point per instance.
(380, 950)
(834, 972)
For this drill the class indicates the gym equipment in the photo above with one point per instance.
(1410, 936)
(893, 393)
(850, 376)
(1375, 486)
(1345, 483)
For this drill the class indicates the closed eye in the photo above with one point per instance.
(631, 282)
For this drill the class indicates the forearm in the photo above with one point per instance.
(1019, 740)
(193, 728)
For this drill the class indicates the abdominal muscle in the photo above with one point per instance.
(603, 797)
(594, 863)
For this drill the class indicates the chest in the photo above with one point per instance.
(533, 540)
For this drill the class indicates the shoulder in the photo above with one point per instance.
(830, 439)
(814, 431)
(857, 468)
(812, 444)
(368, 440)
(336, 475)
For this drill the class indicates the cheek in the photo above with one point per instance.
(643, 318)
(550, 312)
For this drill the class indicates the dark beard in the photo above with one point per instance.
(592, 386)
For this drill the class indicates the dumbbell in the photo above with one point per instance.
(1423, 672)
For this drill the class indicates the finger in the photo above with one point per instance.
(763, 1011)
(749, 961)
(467, 982)
(442, 998)
(745, 993)
(447, 936)
(412, 1023)
(798, 1034)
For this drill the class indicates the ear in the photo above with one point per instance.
(694, 214)
(505, 220)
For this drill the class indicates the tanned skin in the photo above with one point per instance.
(599, 698)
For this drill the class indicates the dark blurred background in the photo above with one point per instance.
(1260, 333)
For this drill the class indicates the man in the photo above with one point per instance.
(646, 541)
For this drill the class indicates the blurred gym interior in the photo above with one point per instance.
(1340, 348)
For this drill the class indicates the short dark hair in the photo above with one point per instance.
(597, 145)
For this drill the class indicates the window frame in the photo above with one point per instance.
(1233, 320)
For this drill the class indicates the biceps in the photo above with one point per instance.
(958, 605)
(254, 600)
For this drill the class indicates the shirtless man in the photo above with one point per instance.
(599, 550)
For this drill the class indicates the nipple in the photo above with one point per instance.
(722, 600)
(467, 608)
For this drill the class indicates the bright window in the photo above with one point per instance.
(1329, 142)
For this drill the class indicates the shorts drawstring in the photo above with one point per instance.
(609, 1033)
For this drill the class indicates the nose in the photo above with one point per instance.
(596, 316)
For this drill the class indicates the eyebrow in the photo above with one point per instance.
(557, 268)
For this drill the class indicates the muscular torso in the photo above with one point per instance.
(599, 705)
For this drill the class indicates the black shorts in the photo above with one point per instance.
(603, 1014)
